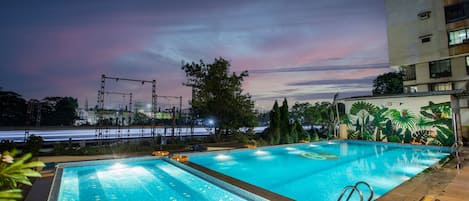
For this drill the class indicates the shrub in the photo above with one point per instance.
(14, 172)
(33, 145)
(315, 137)
(241, 138)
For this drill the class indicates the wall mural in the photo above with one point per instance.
(433, 126)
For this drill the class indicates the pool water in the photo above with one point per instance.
(142, 180)
(319, 171)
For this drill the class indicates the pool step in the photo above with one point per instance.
(355, 188)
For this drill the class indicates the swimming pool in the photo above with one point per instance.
(319, 171)
(138, 179)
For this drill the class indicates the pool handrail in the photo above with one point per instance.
(355, 188)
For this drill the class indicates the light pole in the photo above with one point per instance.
(211, 125)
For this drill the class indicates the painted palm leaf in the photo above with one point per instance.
(403, 119)
(423, 123)
(361, 105)
(445, 135)
(438, 114)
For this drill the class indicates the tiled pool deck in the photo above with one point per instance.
(443, 184)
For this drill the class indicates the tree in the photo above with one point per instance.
(12, 109)
(273, 131)
(299, 111)
(301, 134)
(284, 123)
(218, 94)
(323, 113)
(388, 83)
(140, 118)
(58, 111)
(33, 145)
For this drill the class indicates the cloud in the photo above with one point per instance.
(321, 68)
(291, 49)
(313, 96)
(343, 82)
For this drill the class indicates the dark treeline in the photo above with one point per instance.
(50, 111)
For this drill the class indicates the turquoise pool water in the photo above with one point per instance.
(319, 171)
(135, 180)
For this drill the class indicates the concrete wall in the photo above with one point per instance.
(413, 104)
(405, 27)
(465, 117)
(406, 119)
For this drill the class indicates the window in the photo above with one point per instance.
(425, 40)
(457, 12)
(442, 86)
(408, 72)
(424, 15)
(410, 89)
(458, 36)
(467, 65)
(440, 68)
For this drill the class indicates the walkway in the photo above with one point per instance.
(443, 184)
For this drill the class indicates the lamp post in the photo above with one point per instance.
(211, 124)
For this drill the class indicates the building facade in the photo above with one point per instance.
(429, 41)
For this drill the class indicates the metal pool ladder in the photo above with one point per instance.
(355, 188)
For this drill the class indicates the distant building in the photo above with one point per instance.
(112, 117)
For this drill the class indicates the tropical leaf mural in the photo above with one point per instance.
(403, 119)
(433, 125)
(360, 106)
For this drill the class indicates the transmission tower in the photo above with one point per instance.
(102, 91)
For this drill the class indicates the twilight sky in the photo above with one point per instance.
(303, 50)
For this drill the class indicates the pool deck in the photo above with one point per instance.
(440, 184)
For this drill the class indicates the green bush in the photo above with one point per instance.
(315, 137)
(305, 136)
(33, 145)
(241, 138)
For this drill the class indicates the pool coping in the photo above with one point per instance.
(395, 144)
(55, 186)
(56, 181)
(239, 183)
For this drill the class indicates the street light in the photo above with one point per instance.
(211, 124)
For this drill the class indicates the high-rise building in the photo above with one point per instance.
(429, 41)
